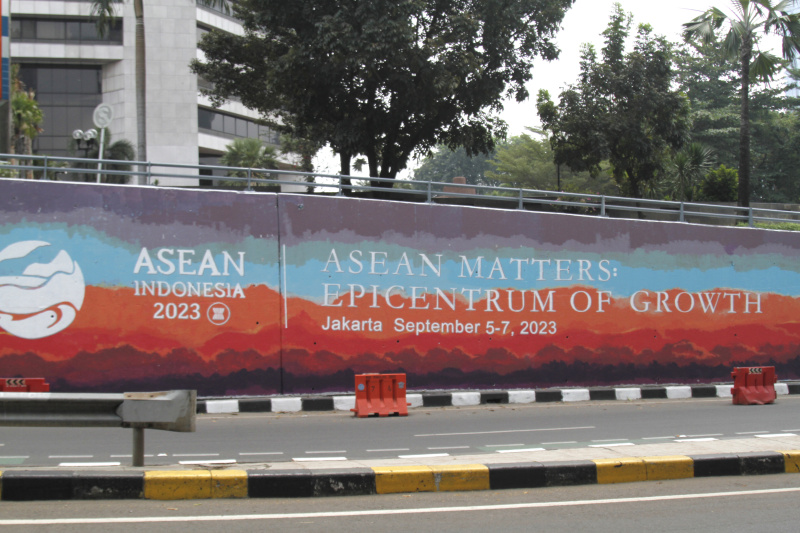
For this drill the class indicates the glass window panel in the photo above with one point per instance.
(51, 30)
(217, 122)
(73, 30)
(58, 122)
(88, 31)
(241, 127)
(204, 117)
(229, 124)
(115, 32)
(252, 130)
(45, 81)
(72, 79)
(16, 29)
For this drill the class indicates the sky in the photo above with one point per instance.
(583, 23)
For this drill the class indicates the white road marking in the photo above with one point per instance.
(209, 462)
(391, 450)
(195, 455)
(70, 456)
(790, 430)
(126, 456)
(80, 465)
(307, 459)
(499, 432)
(611, 444)
(502, 445)
(658, 438)
(707, 435)
(328, 451)
(749, 432)
(260, 453)
(384, 512)
(448, 447)
(522, 450)
(609, 440)
(775, 435)
(15, 456)
(423, 455)
(560, 442)
(709, 439)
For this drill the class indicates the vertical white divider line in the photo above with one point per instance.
(285, 292)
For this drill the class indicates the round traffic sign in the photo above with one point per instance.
(103, 115)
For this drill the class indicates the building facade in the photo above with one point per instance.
(72, 69)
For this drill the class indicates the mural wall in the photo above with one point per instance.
(123, 288)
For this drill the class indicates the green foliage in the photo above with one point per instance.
(445, 164)
(248, 153)
(26, 116)
(527, 162)
(623, 109)
(743, 26)
(783, 226)
(688, 167)
(381, 78)
(719, 185)
(121, 150)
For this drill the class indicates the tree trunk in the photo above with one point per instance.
(141, 90)
(344, 163)
(744, 124)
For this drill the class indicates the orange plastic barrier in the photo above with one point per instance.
(24, 385)
(380, 394)
(754, 385)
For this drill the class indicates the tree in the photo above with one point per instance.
(689, 166)
(381, 78)
(749, 20)
(527, 161)
(719, 185)
(623, 109)
(248, 153)
(120, 150)
(445, 164)
(26, 117)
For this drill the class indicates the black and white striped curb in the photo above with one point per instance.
(456, 399)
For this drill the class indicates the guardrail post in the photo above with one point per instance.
(520, 206)
(430, 195)
(44, 177)
(681, 219)
(149, 175)
(249, 175)
(750, 216)
(602, 206)
(138, 446)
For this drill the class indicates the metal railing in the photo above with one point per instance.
(168, 411)
(270, 180)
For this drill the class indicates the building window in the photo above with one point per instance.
(75, 31)
(233, 126)
(67, 96)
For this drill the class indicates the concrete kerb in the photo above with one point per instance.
(467, 398)
(297, 481)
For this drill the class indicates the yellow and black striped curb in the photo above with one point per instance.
(23, 485)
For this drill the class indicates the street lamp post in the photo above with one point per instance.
(85, 140)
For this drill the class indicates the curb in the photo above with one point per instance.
(456, 399)
(203, 484)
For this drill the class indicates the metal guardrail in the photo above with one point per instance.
(252, 179)
(168, 411)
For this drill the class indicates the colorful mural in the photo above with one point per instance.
(108, 288)
(466, 297)
(112, 288)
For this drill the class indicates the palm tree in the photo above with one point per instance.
(748, 21)
(689, 166)
(248, 153)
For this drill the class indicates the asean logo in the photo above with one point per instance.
(40, 292)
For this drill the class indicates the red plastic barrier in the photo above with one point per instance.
(754, 385)
(24, 385)
(380, 394)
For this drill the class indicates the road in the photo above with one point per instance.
(491, 429)
(711, 505)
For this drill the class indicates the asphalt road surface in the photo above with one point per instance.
(710, 505)
(491, 429)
